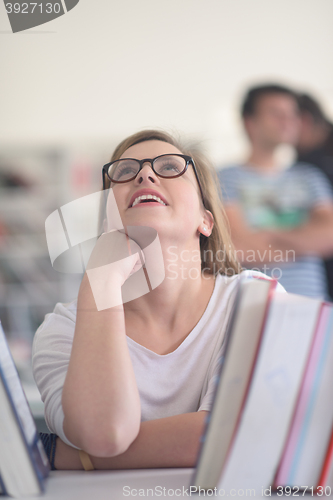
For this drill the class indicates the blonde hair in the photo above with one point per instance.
(219, 241)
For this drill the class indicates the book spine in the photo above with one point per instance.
(327, 465)
(250, 378)
(289, 455)
(30, 447)
(3, 490)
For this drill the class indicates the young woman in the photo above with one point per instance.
(131, 385)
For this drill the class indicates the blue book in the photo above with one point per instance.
(23, 462)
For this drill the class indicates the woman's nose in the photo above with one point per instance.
(146, 174)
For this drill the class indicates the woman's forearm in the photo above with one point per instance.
(100, 396)
(166, 442)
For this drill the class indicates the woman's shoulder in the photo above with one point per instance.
(62, 312)
(57, 325)
(67, 309)
(229, 284)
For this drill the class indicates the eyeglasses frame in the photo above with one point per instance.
(188, 159)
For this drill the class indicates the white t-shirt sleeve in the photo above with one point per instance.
(50, 358)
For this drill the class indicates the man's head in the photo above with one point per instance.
(271, 115)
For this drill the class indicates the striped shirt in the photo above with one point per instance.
(282, 199)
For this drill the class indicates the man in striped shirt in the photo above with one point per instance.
(281, 219)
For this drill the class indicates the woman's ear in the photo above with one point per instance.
(206, 227)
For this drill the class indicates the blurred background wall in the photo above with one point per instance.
(109, 68)
(72, 88)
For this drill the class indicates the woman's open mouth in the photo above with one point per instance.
(147, 199)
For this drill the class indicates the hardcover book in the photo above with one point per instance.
(23, 462)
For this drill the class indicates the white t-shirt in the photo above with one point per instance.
(178, 382)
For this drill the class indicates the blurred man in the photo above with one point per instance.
(281, 220)
(315, 145)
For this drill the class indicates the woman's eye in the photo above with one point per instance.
(125, 170)
(167, 167)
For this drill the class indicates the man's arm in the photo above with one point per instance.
(260, 246)
(313, 237)
(165, 442)
(253, 247)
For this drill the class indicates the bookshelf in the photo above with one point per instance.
(35, 181)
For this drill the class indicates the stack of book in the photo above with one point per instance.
(23, 462)
(272, 418)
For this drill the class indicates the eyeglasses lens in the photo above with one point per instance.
(169, 166)
(123, 170)
(164, 166)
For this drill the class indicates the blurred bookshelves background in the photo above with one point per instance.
(35, 181)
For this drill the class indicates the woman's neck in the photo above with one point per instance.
(162, 319)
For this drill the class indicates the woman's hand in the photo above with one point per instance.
(66, 457)
(119, 253)
(114, 258)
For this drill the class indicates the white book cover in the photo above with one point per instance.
(261, 435)
(242, 345)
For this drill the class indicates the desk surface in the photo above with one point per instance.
(116, 485)
(119, 485)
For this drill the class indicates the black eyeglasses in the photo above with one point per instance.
(165, 166)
